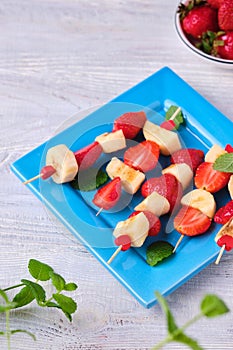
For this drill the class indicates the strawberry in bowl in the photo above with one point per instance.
(206, 27)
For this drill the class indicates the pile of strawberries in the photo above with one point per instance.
(208, 24)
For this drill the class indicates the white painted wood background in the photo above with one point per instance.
(59, 57)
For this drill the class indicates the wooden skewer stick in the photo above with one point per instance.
(117, 251)
(175, 113)
(99, 211)
(32, 179)
(220, 254)
(178, 243)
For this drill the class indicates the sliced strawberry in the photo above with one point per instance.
(167, 186)
(124, 241)
(154, 222)
(209, 179)
(130, 123)
(226, 240)
(191, 222)
(107, 196)
(224, 214)
(144, 156)
(192, 157)
(168, 124)
(88, 155)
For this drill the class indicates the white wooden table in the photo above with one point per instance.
(59, 57)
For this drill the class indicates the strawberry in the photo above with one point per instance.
(198, 18)
(88, 155)
(191, 222)
(224, 214)
(192, 157)
(168, 124)
(154, 222)
(130, 123)
(144, 156)
(107, 196)
(167, 186)
(225, 15)
(223, 45)
(215, 3)
(209, 179)
(124, 241)
(226, 240)
(229, 148)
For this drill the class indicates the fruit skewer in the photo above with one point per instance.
(224, 239)
(201, 206)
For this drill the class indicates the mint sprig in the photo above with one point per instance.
(211, 306)
(177, 118)
(34, 291)
(89, 180)
(224, 163)
(158, 251)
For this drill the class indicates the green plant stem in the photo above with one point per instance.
(172, 336)
(8, 332)
(13, 287)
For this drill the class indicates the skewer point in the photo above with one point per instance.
(117, 251)
(220, 254)
(178, 243)
(98, 212)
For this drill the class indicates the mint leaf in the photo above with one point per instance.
(158, 251)
(39, 270)
(90, 180)
(212, 306)
(36, 289)
(4, 295)
(183, 338)
(8, 306)
(170, 115)
(171, 325)
(52, 304)
(58, 281)
(224, 163)
(70, 286)
(67, 304)
(24, 297)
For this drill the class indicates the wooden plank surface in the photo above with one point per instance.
(58, 58)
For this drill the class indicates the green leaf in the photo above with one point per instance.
(70, 286)
(68, 316)
(58, 281)
(4, 295)
(39, 270)
(24, 297)
(23, 331)
(7, 306)
(2, 333)
(67, 304)
(171, 325)
(183, 338)
(90, 180)
(52, 304)
(224, 163)
(212, 306)
(158, 251)
(178, 119)
(36, 289)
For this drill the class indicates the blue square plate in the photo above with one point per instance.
(204, 127)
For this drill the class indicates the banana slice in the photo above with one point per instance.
(155, 203)
(230, 186)
(64, 162)
(202, 200)
(167, 140)
(182, 172)
(214, 152)
(136, 228)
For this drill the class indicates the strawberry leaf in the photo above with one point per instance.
(224, 163)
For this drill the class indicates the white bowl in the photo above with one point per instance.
(220, 61)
